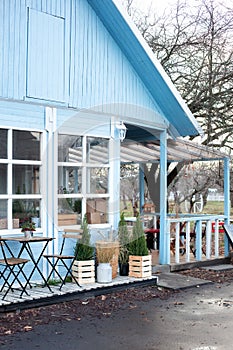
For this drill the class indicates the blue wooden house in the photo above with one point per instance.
(75, 74)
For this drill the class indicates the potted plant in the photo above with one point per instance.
(84, 265)
(28, 227)
(139, 257)
(123, 237)
(107, 260)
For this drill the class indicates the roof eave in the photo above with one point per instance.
(131, 42)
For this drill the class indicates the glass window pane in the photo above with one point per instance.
(97, 180)
(69, 148)
(69, 180)
(3, 177)
(3, 214)
(26, 210)
(97, 150)
(69, 211)
(26, 145)
(3, 143)
(97, 210)
(26, 179)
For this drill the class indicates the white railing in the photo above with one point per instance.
(192, 237)
(196, 236)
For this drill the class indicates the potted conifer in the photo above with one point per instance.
(123, 237)
(139, 257)
(84, 264)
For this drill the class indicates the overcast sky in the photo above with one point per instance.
(162, 4)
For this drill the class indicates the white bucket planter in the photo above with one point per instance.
(104, 273)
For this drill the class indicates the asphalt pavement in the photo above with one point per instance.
(194, 318)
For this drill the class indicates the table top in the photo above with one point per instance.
(23, 239)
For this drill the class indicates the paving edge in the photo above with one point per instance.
(71, 296)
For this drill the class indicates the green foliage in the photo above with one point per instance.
(28, 226)
(83, 249)
(137, 245)
(123, 237)
(77, 207)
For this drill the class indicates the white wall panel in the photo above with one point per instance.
(21, 115)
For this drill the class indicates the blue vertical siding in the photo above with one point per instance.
(100, 73)
(12, 48)
(60, 51)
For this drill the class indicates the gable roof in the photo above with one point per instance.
(150, 71)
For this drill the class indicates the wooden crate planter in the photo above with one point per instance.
(84, 271)
(140, 266)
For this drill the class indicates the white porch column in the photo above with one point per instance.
(227, 204)
(50, 188)
(164, 247)
(114, 176)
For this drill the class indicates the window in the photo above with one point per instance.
(97, 180)
(20, 167)
(46, 31)
(83, 172)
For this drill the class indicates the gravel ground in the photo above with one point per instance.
(100, 306)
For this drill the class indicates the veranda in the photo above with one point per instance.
(184, 237)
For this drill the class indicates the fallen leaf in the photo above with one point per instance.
(178, 303)
(27, 328)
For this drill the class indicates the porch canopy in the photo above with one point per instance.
(177, 151)
(142, 147)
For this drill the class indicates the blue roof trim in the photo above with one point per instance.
(129, 39)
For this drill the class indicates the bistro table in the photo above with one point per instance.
(26, 246)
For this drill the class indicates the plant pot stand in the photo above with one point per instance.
(84, 271)
(140, 266)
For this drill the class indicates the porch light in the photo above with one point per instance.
(122, 130)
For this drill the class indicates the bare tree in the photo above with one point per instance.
(195, 46)
(130, 186)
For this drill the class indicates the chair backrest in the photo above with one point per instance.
(70, 233)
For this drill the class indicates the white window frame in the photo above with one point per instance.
(9, 196)
(84, 196)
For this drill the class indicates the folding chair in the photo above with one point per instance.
(60, 259)
(14, 268)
